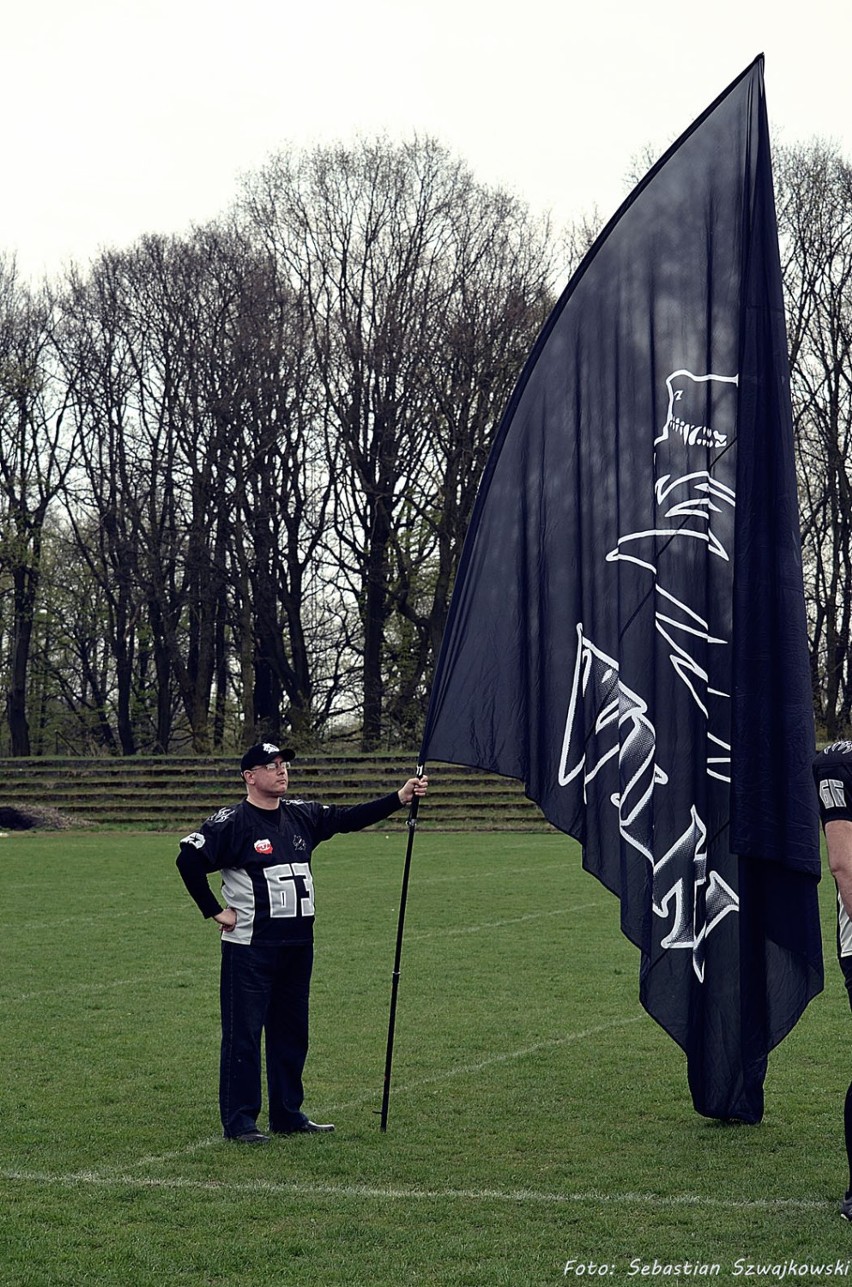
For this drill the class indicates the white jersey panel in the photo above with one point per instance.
(238, 892)
(844, 929)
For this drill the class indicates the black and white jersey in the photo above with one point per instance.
(264, 857)
(833, 777)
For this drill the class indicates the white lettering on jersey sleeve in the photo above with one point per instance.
(832, 794)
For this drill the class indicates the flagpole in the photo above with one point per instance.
(403, 899)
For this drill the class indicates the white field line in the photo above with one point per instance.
(463, 1070)
(87, 916)
(412, 935)
(422, 876)
(459, 1070)
(489, 925)
(84, 989)
(361, 1192)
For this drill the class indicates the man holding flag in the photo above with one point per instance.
(263, 847)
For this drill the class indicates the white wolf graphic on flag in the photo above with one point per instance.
(690, 504)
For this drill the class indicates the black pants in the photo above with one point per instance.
(263, 989)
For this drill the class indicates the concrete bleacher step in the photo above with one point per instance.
(171, 793)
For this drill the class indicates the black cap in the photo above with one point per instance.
(263, 753)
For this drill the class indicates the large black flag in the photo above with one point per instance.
(627, 633)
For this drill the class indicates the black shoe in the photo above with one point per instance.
(306, 1127)
(250, 1137)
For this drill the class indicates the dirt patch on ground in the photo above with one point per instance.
(35, 818)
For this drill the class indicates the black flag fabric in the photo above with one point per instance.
(627, 633)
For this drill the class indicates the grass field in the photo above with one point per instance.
(538, 1116)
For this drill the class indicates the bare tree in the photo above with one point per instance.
(499, 272)
(157, 456)
(35, 458)
(815, 222)
(95, 340)
(279, 495)
(390, 246)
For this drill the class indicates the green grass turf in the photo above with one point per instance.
(538, 1116)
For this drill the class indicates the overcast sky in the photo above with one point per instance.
(129, 116)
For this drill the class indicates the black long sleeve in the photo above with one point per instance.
(194, 872)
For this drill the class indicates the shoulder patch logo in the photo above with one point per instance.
(195, 839)
(222, 816)
(263, 846)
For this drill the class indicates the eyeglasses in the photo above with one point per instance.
(275, 766)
